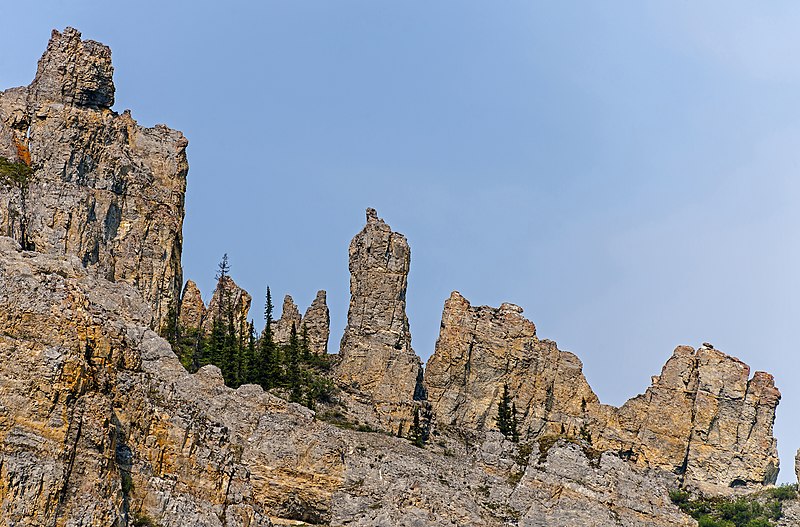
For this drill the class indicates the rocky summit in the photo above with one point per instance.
(105, 189)
(102, 424)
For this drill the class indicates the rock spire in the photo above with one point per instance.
(376, 355)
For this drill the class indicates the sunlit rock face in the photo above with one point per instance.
(704, 418)
(376, 355)
(104, 188)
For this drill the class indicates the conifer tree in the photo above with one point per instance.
(506, 418)
(416, 434)
(267, 369)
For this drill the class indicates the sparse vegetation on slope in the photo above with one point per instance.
(761, 509)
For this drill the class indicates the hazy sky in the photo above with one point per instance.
(627, 172)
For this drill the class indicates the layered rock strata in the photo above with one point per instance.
(103, 188)
(703, 418)
(376, 355)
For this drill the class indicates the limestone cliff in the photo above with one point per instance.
(376, 355)
(703, 418)
(104, 188)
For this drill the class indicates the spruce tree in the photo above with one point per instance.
(504, 413)
(266, 373)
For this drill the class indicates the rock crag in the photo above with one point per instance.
(316, 321)
(103, 188)
(376, 355)
(101, 425)
(703, 418)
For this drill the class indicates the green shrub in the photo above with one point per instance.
(756, 510)
(16, 174)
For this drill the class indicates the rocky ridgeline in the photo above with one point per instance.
(703, 418)
(101, 425)
(104, 188)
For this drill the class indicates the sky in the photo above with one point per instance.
(625, 171)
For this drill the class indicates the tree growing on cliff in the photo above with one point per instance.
(507, 416)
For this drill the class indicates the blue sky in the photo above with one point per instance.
(627, 172)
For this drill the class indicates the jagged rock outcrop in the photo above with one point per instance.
(228, 299)
(192, 311)
(104, 188)
(101, 425)
(316, 321)
(703, 418)
(290, 317)
(376, 355)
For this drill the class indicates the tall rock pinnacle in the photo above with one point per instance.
(376, 354)
(103, 188)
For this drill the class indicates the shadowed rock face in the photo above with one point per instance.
(703, 418)
(376, 354)
(104, 188)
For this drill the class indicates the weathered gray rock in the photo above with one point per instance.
(290, 318)
(703, 418)
(317, 323)
(376, 354)
(104, 188)
(228, 300)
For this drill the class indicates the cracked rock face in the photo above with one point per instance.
(703, 418)
(104, 188)
(376, 354)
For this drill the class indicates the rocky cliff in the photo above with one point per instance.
(703, 418)
(376, 355)
(101, 425)
(103, 188)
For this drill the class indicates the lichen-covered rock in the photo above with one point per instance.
(376, 354)
(703, 418)
(104, 188)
